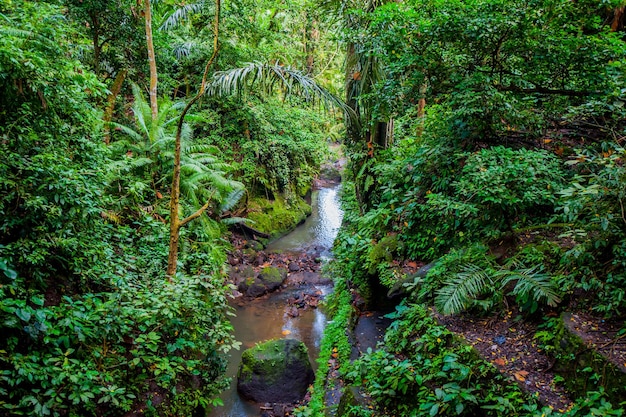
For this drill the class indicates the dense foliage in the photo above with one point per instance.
(502, 172)
(90, 323)
(485, 139)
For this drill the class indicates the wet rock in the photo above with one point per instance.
(254, 245)
(272, 277)
(252, 287)
(292, 311)
(277, 371)
(294, 267)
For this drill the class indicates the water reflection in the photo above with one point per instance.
(261, 320)
(320, 228)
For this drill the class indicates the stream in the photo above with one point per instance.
(264, 318)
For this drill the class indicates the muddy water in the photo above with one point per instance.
(263, 319)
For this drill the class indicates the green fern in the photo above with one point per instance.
(463, 289)
(531, 283)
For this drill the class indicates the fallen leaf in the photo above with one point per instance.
(500, 361)
(521, 375)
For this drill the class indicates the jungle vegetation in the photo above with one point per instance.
(483, 136)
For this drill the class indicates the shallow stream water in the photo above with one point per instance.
(263, 319)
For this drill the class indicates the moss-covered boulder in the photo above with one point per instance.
(269, 279)
(279, 216)
(272, 277)
(277, 371)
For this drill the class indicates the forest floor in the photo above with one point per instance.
(507, 340)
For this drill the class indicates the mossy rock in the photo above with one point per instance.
(269, 279)
(583, 368)
(272, 277)
(279, 216)
(254, 245)
(276, 371)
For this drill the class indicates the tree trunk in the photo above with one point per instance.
(95, 28)
(151, 60)
(108, 111)
(172, 258)
(175, 222)
(311, 39)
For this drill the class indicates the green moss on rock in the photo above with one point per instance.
(279, 216)
(275, 371)
(583, 368)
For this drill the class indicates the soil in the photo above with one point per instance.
(508, 343)
(604, 336)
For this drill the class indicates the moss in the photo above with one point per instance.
(262, 359)
(273, 275)
(583, 368)
(275, 371)
(278, 216)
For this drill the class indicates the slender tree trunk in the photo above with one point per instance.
(108, 111)
(95, 27)
(311, 39)
(175, 222)
(151, 60)
(618, 19)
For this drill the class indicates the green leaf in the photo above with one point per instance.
(23, 314)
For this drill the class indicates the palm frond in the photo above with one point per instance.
(180, 14)
(270, 76)
(183, 49)
(461, 290)
(532, 282)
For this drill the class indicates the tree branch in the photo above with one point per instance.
(195, 215)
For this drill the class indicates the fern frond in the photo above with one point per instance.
(237, 220)
(532, 282)
(232, 199)
(461, 290)
(128, 131)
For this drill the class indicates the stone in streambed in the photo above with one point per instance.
(269, 279)
(272, 277)
(277, 371)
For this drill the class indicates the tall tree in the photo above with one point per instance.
(147, 9)
(175, 222)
